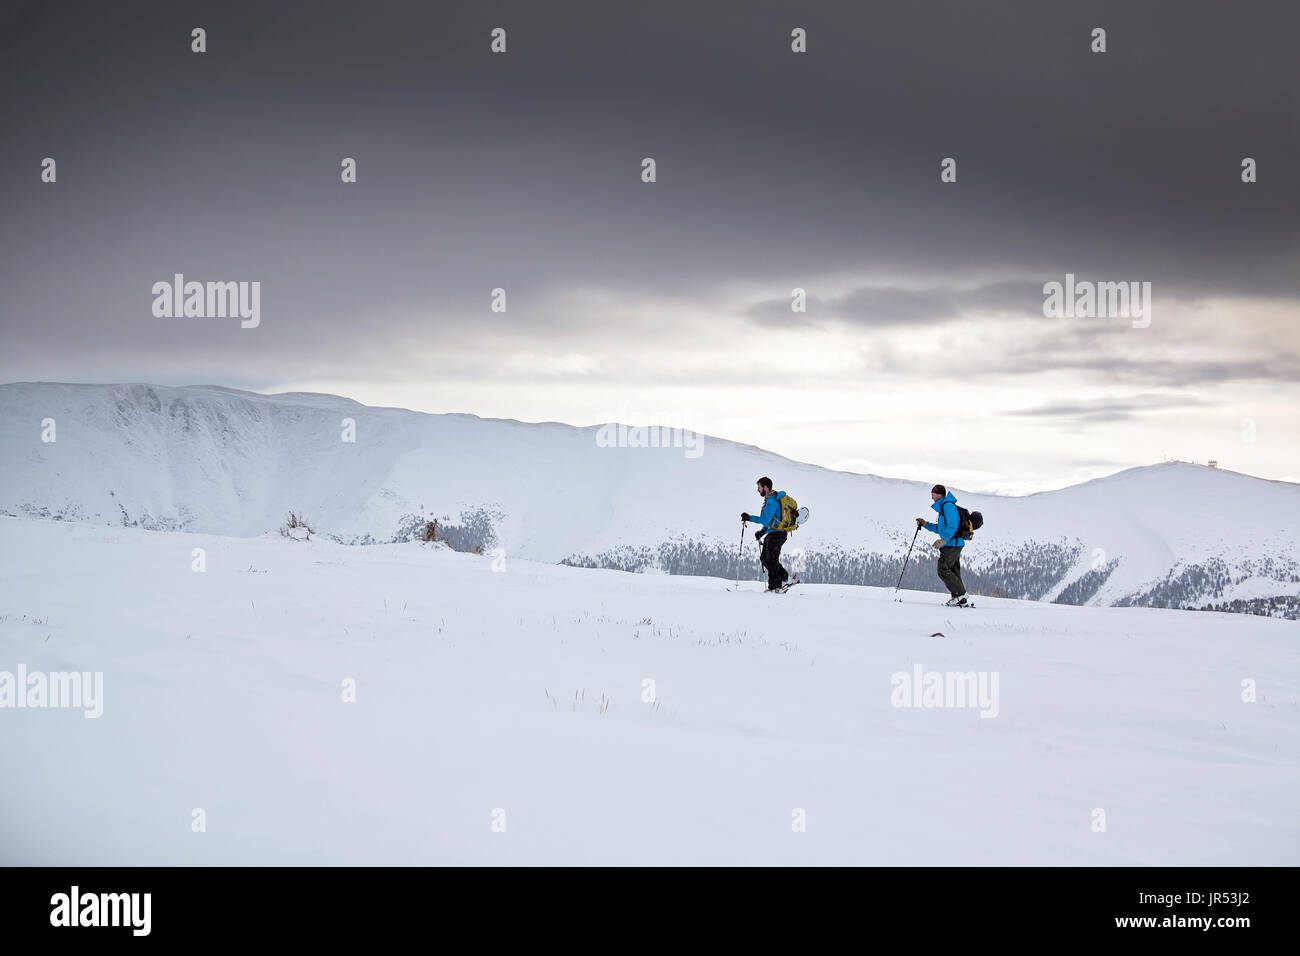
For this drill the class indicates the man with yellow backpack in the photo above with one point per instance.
(779, 517)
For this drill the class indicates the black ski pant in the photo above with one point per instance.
(772, 542)
(950, 571)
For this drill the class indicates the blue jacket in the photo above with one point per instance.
(946, 526)
(771, 516)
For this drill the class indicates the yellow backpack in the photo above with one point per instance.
(789, 518)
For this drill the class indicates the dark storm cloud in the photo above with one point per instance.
(885, 306)
(1108, 410)
(521, 171)
(1147, 368)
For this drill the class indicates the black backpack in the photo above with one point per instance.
(968, 522)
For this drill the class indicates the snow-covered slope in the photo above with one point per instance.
(235, 463)
(509, 712)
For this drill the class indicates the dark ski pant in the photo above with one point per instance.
(950, 571)
(772, 542)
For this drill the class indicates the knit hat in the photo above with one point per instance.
(939, 490)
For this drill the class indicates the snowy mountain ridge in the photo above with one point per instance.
(220, 460)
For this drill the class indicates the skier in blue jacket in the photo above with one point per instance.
(767, 522)
(949, 545)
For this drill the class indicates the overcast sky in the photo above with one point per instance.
(924, 352)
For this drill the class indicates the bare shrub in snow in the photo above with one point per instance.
(296, 527)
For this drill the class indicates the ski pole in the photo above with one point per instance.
(905, 560)
(740, 552)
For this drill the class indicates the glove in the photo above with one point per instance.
(744, 516)
(758, 535)
(938, 543)
(920, 522)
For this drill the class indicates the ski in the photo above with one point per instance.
(780, 590)
(940, 606)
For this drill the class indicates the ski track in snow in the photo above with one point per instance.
(522, 690)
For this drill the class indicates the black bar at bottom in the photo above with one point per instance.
(616, 906)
